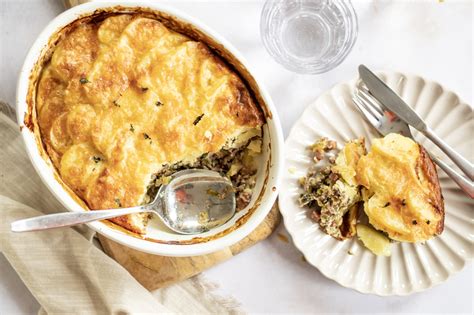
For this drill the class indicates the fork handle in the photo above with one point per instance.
(63, 219)
(458, 159)
(464, 183)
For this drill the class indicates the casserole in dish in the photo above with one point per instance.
(115, 98)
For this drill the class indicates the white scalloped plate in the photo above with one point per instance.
(411, 267)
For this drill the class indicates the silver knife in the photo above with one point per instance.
(392, 102)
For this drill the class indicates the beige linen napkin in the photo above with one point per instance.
(64, 271)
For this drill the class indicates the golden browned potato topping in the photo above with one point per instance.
(123, 97)
(406, 200)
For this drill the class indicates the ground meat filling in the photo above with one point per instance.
(330, 198)
(230, 162)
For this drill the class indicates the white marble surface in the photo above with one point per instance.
(428, 38)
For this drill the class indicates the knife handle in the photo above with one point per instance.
(459, 160)
(463, 182)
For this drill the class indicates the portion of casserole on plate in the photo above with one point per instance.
(125, 102)
(396, 184)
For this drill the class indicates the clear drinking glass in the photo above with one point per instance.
(308, 36)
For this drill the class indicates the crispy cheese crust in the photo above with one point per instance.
(405, 196)
(122, 97)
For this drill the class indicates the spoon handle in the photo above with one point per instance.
(56, 220)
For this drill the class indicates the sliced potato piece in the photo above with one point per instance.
(255, 146)
(375, 241)
(234, 169)
(347, 158)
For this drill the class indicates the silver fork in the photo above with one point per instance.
(386, 122)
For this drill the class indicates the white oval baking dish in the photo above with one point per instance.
(164, 242)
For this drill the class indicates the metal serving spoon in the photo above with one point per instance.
(193, 202)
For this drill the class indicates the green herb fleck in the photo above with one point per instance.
(158, 104)
(198, 119)
(83, 80)
(144, 89)
(117, 201)
(97, 159)
(350, 253)
(146, 136)
(132, 129)
(116, 104)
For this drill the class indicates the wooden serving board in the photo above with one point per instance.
(155, 272)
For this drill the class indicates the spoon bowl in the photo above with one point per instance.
(194, 201)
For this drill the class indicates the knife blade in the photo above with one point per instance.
(390, 99)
